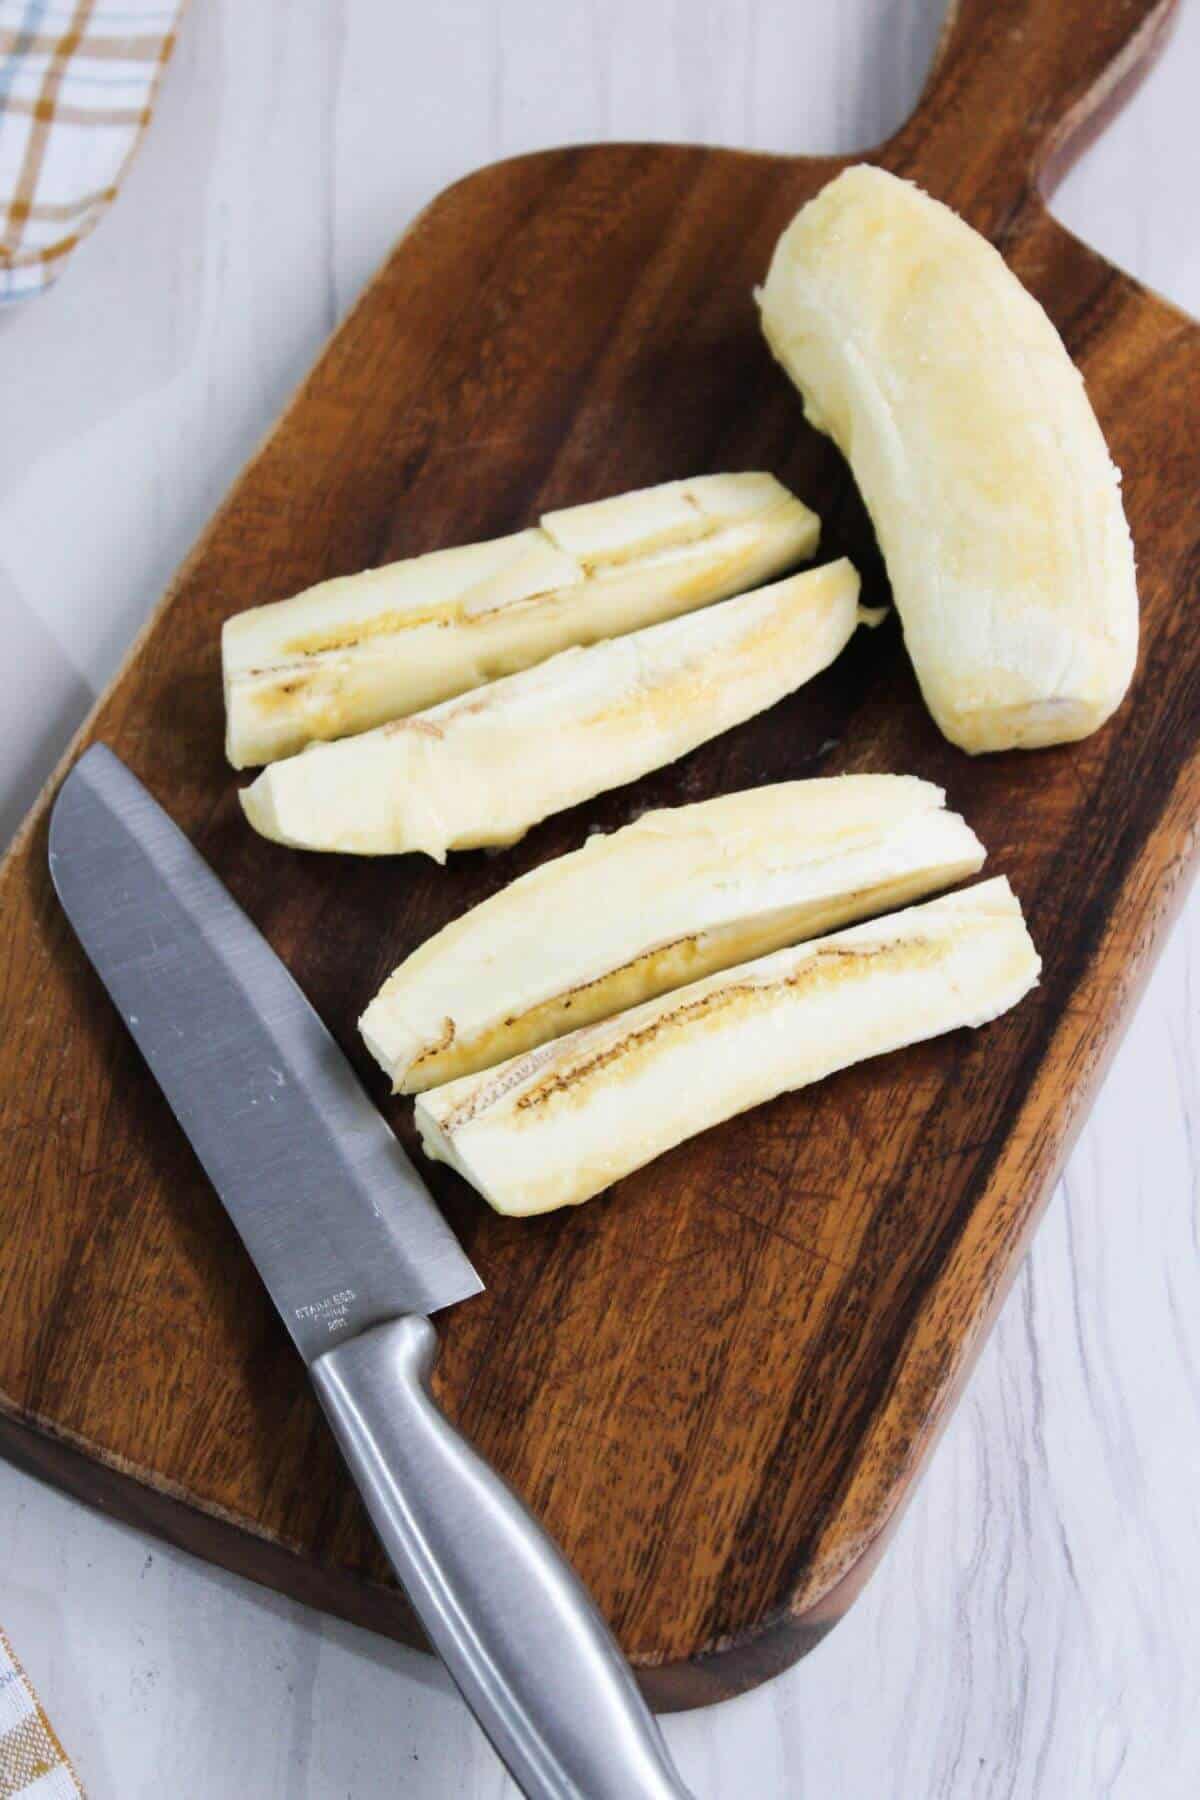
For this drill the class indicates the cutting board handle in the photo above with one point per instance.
(1018, 88)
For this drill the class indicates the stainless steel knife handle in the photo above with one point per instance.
(511, 1620)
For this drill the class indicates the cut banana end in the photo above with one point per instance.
(482, 769)
(355, 652)
(673, 897)
(971, 437)
(556, 1126)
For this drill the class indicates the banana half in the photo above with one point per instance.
(354, 652)
(971, 438)
(673, 897)
(482, 769)
(555, 1126)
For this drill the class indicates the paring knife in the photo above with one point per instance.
(354, 1254)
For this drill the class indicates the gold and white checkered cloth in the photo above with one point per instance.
(77, 84)
(33, 1764)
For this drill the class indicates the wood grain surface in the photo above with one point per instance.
(717, 1384)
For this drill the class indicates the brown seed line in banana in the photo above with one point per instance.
(676, 895)
(482, 769)
(556, 1126)
(357, 651)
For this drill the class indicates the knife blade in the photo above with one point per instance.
(340, 1226)
(354, 1253)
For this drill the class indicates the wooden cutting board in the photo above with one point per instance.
(717, 1384)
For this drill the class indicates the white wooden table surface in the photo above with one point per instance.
(1035, 1628)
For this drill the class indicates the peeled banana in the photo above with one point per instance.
(555, 1126)
(966, 424)
(670, 898)
(354, 652)
(483, 768)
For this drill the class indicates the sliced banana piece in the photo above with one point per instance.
(555, 1126)
(678, 894)
(354, 652)
(971, 437)
(482, 769)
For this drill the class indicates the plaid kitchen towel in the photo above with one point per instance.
(77, 83)
(33, 1764)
